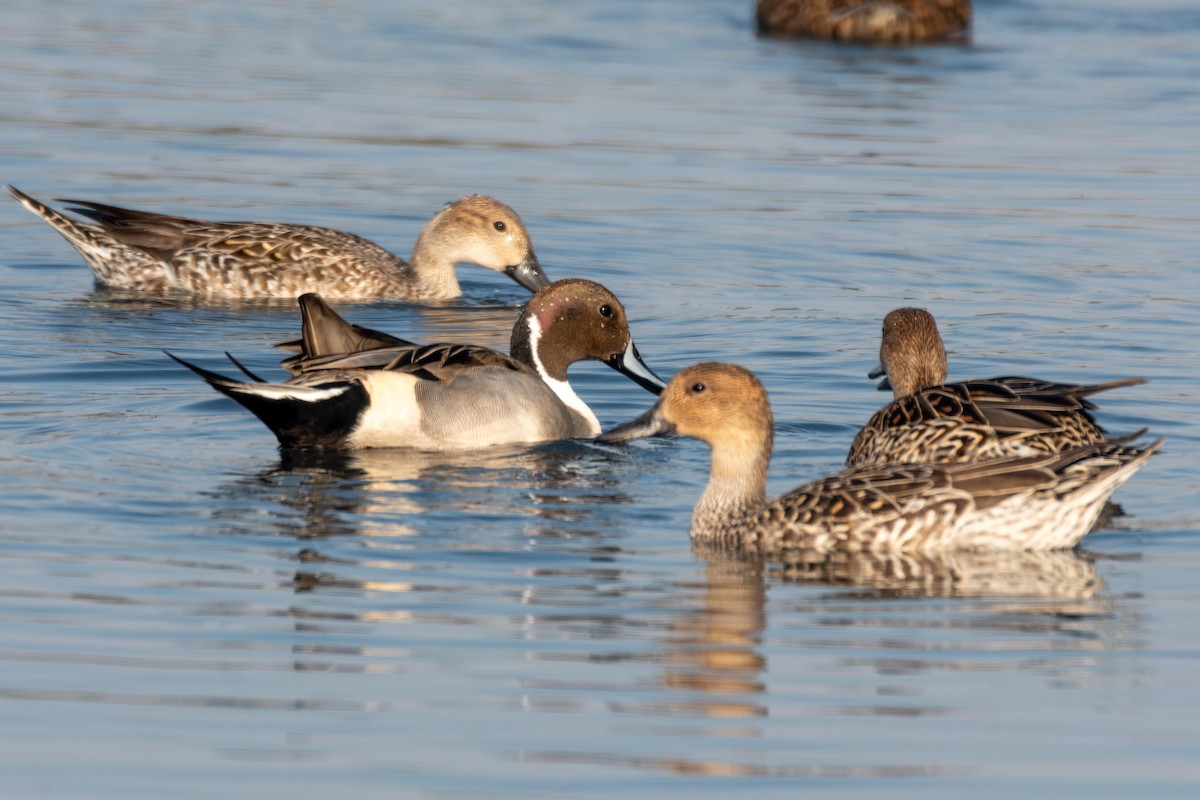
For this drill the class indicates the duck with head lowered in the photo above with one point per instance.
(161, 254)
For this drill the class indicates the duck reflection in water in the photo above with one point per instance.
(716, 649)
(1050, 575)
(310, 494)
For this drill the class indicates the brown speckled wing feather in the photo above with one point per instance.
(279, 243)
(256, 258)
(882, 21)
(892, 506)
(158, 234)
(997, 417)
(834, 512)
(167, 236)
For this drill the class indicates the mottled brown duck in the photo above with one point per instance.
(1036, 503)
(931, 420)
(894, 22)
(161, 254)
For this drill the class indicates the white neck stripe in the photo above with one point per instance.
(561, 388)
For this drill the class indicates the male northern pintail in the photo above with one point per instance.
(1033, 503)
(156, 253)
(931, 420)
(324, 333)
(453, 396)
(866, 21)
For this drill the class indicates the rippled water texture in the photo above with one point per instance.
(185, 613)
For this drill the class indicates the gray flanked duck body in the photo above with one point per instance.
(450, 396)
(931, 420)
(161, 254)
(1034, 503)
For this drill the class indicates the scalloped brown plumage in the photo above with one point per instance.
(1032, 503)
(931, 420)
(159, 253)
(895, 22)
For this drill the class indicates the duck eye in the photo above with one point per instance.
(697, 388)
(499, 225)
(606, 310)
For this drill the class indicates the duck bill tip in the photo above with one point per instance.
(528, 273)
(880, 372)
(630, 364)
(652, 423)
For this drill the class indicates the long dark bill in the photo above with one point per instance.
(883, 385)
(652, 423)
(528, 273)
(629, 363)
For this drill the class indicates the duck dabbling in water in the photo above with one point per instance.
(161, 254)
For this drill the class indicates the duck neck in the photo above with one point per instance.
(737, 483)
(528, 347)
(431, 268)
(918, 378)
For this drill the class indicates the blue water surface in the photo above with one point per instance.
(186, 612)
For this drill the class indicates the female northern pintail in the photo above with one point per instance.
(452, 396)
(156, 253)
(867, 21)
(931, 420)
(1036, 503)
